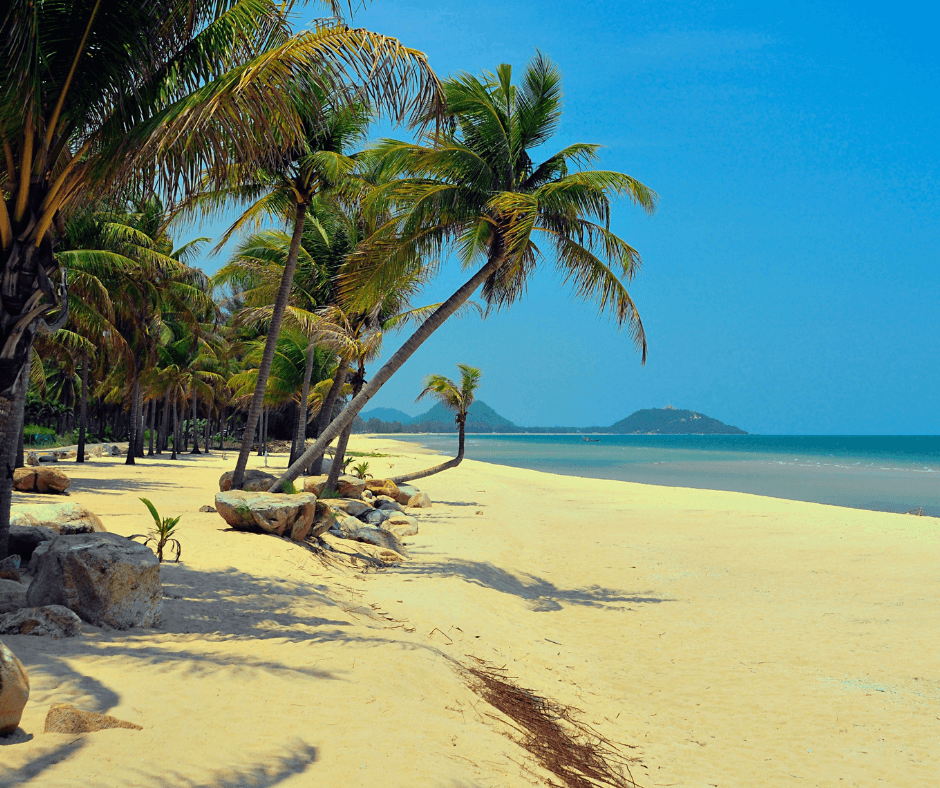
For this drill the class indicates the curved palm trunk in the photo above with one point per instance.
(409, 477)
(326, 410)
(300, 434)
(395, 363)
(20, 459)
(133, 422)
(83, 411)
(13, 385)
(270, 344)
(195, 426)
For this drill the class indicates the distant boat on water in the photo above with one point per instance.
(590, 440)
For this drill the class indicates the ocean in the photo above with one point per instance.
(883, 473)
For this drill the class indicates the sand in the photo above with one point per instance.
(725, 639)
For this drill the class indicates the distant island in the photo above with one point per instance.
(482, 418)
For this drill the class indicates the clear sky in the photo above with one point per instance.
(790, 280)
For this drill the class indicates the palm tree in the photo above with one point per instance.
(96, 97)
(479, 192)
(456, 398)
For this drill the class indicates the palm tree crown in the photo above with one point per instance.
(450, 395)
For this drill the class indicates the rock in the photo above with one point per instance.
(373, 535)
(63, 718)
(114, 451)
(10, 568)
(273, 513)
(350, 486)
(420, 500)
(24, 539)
(375, 516)
(71, 454)
(63, 518)
(12, 595)
(405, 492)
(349, 506)
(255, 481)
(46, 459)
(401, 525)
(368, 495)
(41, 480)
(316, 484)
(54, 620)
(105, 578)
(14, 691)
(93, 451)
(207, 508)
(382, 487)
(32, 458)
(388, 504)
(37, 555)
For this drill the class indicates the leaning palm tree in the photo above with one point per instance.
(452, 396)
(476, 190)
(97, 97)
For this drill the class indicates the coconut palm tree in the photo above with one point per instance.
(457, 398)
(96, 97)
(476, 190)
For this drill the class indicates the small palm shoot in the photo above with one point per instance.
(162, 534)
(362, 470)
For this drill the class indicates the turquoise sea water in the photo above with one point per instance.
(884, 473)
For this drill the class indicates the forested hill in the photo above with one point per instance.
(671, 421)
(482, 418)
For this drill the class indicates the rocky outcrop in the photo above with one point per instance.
(273, 513)
(373, 535)
(104, 578)
(375, 516)
(32, 458)
(52, 620)
(420, 500)
(316, 484)
(350, 486)
(349, 506)
(254, 481)
(405, 492)
(40, 480)
(383, 487)
(14, 691)
(63, 718)
(63, 518)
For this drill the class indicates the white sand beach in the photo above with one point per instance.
(724, 639)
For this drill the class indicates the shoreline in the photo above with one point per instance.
(723, 638)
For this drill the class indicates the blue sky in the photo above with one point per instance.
(790, 281)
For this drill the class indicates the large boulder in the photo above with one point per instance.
(41, 480)
(12, 596)
(349, 506)
(383, 487)
(254, 481)
(24, 539)
(401, 525)
(350, 486)
(63, 518)
(371, 534)
(14, 691)
(388, 504)
(405, 491)
(375, 516)
(420, 500)
(93, 451)
(316, 484)
(51, 620)
(273, 513)
(105, 578)
(32, 458)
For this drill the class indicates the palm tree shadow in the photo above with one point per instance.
(296, 759)
(544, 595)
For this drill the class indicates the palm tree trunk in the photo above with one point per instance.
(270, 345)
(340, 454)
(222, 430)
(207, 435)
(152, 425)
(195, 425)
(13, 385)
(326, 411)
(83, 411)
(300, 434)
(21, 404)
(163, 440)
(409, 477)
(395, 363)
(176, 427)
(133, 421)
(141, 428)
